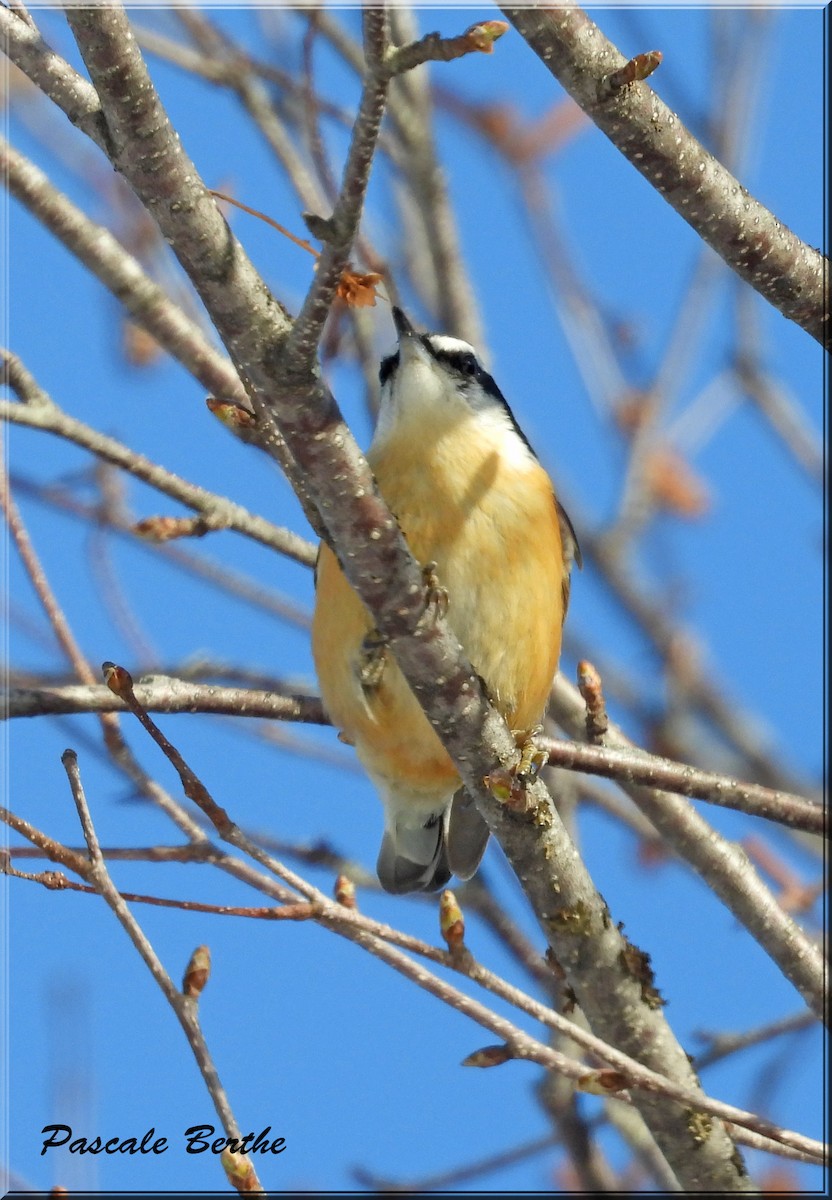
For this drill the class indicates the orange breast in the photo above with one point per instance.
(491, 527)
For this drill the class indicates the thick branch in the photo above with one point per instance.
(749, 238)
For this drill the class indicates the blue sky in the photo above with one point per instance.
(348, 1062)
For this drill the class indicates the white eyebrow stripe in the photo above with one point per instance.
(443, 344)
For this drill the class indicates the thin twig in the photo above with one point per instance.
(184, 1007)
(41, 412)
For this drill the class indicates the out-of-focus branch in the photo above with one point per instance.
(75, 95)
(673, 642)
(721, 1045)
(209, 571)
(445, 1180)
(782, 411)
(763, 251)
(121, 274)
(339, 230)
(39, 411)
(411, 114)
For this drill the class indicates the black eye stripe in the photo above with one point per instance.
(462, 361)
(387, 367)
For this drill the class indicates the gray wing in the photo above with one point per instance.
(571, 551)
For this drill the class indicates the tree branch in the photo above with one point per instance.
(39, 411)
(164, 694)
(723, 866)
(184, 1007)
(749, 238)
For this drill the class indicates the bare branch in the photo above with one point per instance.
(41, 412)
(341, 228)
(763, 252)
(638, 767)
(165, 694)
(184, 1007)
(121, 274)
(721, 864)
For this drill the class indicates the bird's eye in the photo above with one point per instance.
(467, 364)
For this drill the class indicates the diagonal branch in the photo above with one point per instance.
(39, 411)
(340, 229)
(749, 238)
(184, 1006)
(104, 256)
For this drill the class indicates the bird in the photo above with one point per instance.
(480, 514)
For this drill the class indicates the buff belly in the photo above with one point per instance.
(496, 544)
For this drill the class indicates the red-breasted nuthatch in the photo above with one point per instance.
(472, 499)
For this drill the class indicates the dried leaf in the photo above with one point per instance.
(359, 290)
(675, 485)
(140, 347)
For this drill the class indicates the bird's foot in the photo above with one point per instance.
(436, 596)
(532, 755)
(372, 659)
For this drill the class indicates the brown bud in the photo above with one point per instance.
(483, 35)
(451, 922)
(489, 1056)
(603, 1083)
(164, 529)
(592, 690)
(197, 972)
(240, 1171)
(345, 891)
(117, 679)
(232, 415)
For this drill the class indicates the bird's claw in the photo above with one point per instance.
(372, 659)
(532, 755)
(436, 596)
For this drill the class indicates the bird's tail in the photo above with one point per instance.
(421, 850)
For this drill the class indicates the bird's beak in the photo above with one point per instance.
(410, 344)
(403, 326)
